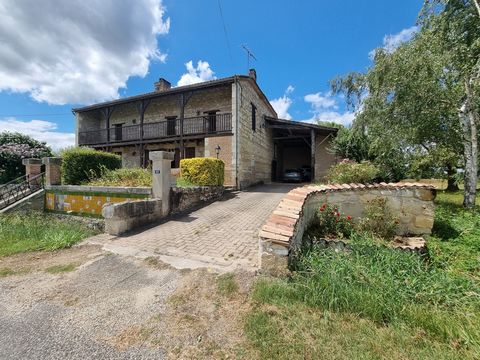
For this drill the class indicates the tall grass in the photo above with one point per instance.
(436, 298)
(37, 231)
(133, 177)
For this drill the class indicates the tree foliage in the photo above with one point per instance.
(410, 100)
(14, 147)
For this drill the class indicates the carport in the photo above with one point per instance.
(293, 145)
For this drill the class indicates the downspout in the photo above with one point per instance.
(236, 131)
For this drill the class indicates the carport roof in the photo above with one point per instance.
(275, 123)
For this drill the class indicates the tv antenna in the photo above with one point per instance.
(249, 55)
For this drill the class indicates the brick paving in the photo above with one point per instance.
(224, 233)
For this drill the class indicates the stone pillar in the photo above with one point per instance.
(33, 167)
(161, 165)
(53, 174)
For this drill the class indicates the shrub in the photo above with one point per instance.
(378, 220)
(330, 223)
(348, 171)
(13, 148)
(202, 171)
(123, 177)
(83, 164)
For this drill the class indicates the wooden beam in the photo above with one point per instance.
(184, 98)
(141, 108)
(288, 137)
(313, 151)
(107, 114)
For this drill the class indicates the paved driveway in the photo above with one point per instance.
(223, 234)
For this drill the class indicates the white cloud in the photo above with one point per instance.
(324, 107)
(195, 75)
(393, 41)
(319, 101)
(344, 119)
(40, 130)
(283, 103)
(77, 51)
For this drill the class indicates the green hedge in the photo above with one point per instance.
(202, 171)
(84, 164)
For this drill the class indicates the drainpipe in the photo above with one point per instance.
(237, 85)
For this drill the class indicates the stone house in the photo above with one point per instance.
(229, 118)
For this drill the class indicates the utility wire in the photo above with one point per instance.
(57, 114)
(225, 31)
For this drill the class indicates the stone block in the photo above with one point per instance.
(425, 222)
(425, 194)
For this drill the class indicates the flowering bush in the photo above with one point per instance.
(349, 171)
(330, 223)
(14, 147)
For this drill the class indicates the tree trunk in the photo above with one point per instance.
(468, 123)
(452, 185)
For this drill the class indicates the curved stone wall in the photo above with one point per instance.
(283, 232)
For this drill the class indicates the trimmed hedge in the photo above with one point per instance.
(84, 164)
(202, 171)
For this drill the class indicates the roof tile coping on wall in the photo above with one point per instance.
(280, 226)
(100, 189)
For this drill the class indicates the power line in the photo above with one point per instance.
(225, 31)
(57, 114)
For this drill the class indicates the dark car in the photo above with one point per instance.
(292, 175)
(306, 172)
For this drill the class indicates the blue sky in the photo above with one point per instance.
(79, 52)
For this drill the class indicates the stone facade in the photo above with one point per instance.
(283, 233)
(254, 147)
(248, 152)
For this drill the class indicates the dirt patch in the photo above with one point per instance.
(201, 320)
(24, 263)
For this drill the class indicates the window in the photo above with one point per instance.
(171, 123)
(118, 132)
(254, 117)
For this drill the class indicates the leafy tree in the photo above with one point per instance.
(13, 148)
(407, 105)
(456, 23)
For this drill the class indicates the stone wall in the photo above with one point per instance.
(255, 148)
(89, 200)
(125, 216)
(183, 199)
(283, 232)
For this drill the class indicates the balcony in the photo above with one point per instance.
(200, 126)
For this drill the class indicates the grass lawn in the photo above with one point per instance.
(37, 231)
(377, 303)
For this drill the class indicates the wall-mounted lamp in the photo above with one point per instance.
(217, 150)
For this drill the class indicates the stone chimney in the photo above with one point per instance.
(162, 85)
(253, 74)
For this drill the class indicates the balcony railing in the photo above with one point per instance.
(199, 125)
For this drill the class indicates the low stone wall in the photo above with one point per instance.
(283, 232)
(89, 200)
(183, 199)
(129, 215)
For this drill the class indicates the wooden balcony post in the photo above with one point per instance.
(142, 107)
(313, 148)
